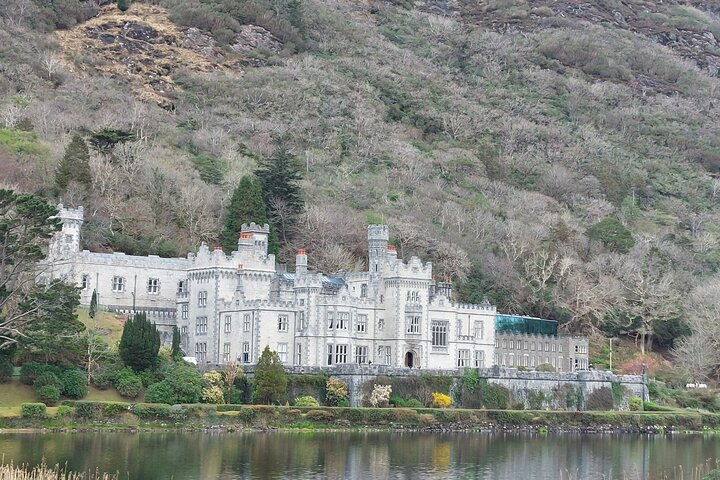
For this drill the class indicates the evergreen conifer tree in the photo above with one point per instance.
(93, 305)
(140, 343)
(270, 383)
(279, 177)
(75, 165)
(246, 205)
(175, 351)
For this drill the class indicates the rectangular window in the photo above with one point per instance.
(201, 326)
(201, 352)
(183, 330)
(153, 286)
(330, 320)
(413, 324)
(246, 352)
(228, 323)
(363, 290)
(381, 324)
(118, 284)
(330, 354)
(439, 332)
(388, 355)
(340, 353)
(361, 325)
(504, 343)
(343, 320)
(202, 299)
(553, 347)
(480, 329)
(298, 354)
(361, 354)
(560, 348)
(84, 281)
(301, 325)
(547, 346)
(526, 345)
(246, 322)
(181, 287)
(283, 324)
(533, 346)
(463, 358)
(479, 359)
(226, 353)
(282, 352)
(185, 311)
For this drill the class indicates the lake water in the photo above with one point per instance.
(371, 455)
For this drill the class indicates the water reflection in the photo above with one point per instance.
(185, 456)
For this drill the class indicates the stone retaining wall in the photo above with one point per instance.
(522, 385)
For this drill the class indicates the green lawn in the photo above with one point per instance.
(15, 393)
(12, 395)
(109, 324)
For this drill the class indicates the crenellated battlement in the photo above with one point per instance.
(253, 227)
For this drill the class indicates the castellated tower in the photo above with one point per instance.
(66, 242)
(254, 237)
(378, 237)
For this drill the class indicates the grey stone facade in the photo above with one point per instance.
(564, 353)
(230, 307)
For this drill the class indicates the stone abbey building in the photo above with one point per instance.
(230, 307)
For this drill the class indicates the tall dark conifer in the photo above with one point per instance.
(75, 165)
(280, 177)
(246, 206)
(175, 351)
(140, 343)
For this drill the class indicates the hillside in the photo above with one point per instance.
(557, 157)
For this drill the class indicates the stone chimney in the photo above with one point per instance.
(300, 262)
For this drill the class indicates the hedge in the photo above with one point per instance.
(33, 410)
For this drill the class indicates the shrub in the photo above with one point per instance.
(337, 392)
(48, 378)
(105, 376)
(64, 411)
(160, 393)
(30, 371)
(638, 365)
(320, 415)
(414, 403)
(111, 409)
(182, 384)
(178, 413)
(600, 399)
(306, 401)
(545, 367)
(518, 406)
(74, 383)
(87, 409)
(440, 400)
(151, 411)
(6, 369)
(128, 384)
(635, 404)
(380, 396)
(48, 394)
(213, 391)
(33, 410)
(270, 382)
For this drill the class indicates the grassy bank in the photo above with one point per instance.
(118, 415)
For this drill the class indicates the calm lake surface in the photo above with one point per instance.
(315, 455)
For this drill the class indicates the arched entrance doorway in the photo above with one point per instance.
(410, 359)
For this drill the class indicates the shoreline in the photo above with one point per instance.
(122, 417)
